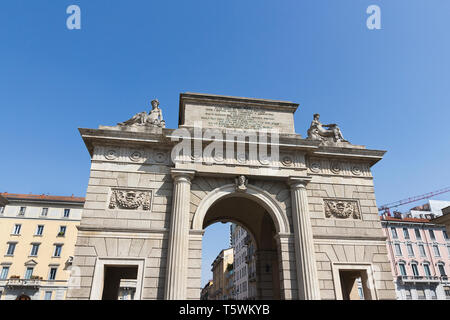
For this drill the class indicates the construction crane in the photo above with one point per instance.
(386, 207)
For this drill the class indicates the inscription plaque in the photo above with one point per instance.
(232, 113)
(239, 117)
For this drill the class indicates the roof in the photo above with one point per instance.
(446, 210)
(417, 220)
(444, 218)
(41, 197)
(3, 200)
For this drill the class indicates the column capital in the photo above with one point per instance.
(182, 175)
(298, 182)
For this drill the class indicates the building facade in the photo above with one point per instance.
(244, 263)
(444, 218)
(37, 241)
(222, 283)
(429, 210)
(419, 251)
(207, 291)
(153, 191)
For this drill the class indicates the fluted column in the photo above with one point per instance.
(308, 283)
(177, 257)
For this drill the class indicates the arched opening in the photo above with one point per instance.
(23, 297)
(260, 255)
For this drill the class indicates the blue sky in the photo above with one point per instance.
(387, 89)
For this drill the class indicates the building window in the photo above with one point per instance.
(48, 295)
(436, 251)
(398, 249)
(57, 252)
(415, 270)
(34, 249)
(421, 294)
(402, 269)
(447, 292)
(408, 294)
(432, 236)
(62, 231)
(44, 212)
(22, 211)
(52, 274)
(433, 294)
(4, 274)
(418, 236)
(445, 234)
(426, 268)
(442, 270)
(29, 273)
(39, 230)
(11, 249)
(17, 228)
(410, 250)
(406, 233)
(422, 250)
(394, 233)
(66, 213)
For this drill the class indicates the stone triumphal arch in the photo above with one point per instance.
(308, 203)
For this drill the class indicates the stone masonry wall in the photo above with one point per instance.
(124, 233)
(352, 240)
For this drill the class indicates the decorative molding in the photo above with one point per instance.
(160, 156)
(131, 199)
(111, 154)
(356, 170)
(338, 167)
(342, 209)
(132, 155)
(241, 183)
(136, 156)
(315, 167)
(335, 167)
(287, 160)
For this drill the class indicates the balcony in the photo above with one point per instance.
(252, 276)
(23, 283)
(423, 279)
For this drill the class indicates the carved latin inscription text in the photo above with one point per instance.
(130, 199)
(342, 209)
(239, 117)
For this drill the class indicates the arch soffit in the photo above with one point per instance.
(254, 193)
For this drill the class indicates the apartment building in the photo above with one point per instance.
(37, 243)
(221, 267)
(244, 263)
(419, 252)
(206, 291)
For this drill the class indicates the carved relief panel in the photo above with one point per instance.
(341, 209)
(131, 199)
